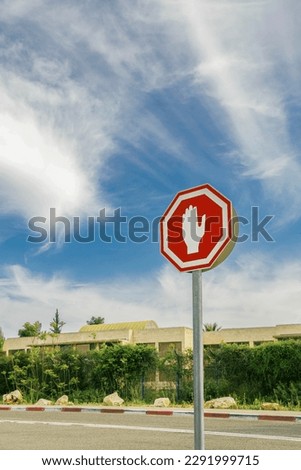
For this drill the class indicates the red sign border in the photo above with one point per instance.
(197, 264)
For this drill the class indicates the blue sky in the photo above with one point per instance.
(120, 105)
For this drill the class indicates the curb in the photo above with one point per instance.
(157, 412)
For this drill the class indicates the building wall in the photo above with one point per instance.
(252, 336)
(160, 338)
(71, 339)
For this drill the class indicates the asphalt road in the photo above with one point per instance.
(98, 431)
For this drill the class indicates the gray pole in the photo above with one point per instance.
(198, 366)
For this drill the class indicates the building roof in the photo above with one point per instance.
(288, 336)
(131, 325)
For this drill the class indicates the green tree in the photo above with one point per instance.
(211, 327)
(177, 366)
(1, 339)
(122, 367)
(96, 321)
(57, 324)
(30, 329)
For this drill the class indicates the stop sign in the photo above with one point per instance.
(196, 230)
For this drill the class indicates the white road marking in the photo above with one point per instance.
(152, 429)
(254, 436)
(101, 426)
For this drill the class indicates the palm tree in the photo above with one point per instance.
(96, 321)
(211, 327)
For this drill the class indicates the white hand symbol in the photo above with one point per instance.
(191, 230)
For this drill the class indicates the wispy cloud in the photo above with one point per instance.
(38, 168)
(87, 83)
(239, 70)
(257, 292)
(76, 90)
(253, 293)
(68, 102)
(25, 296)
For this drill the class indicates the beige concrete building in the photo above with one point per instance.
(253, 336)
(91, 337)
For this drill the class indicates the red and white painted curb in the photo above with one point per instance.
(293, 418)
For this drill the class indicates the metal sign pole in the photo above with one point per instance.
(217, 243)
(198, 358)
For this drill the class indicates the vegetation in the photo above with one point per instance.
(211, 327)
(96, 321)
(269, 372)
(57, 324)
(1, 338)
(30, 329)
(176, 368)
(82, 376)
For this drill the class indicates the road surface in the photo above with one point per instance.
(98, 431)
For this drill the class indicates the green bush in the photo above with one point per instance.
(122, 368)
(40, 373)
(262, 372)
(270, 372)
(177, 367)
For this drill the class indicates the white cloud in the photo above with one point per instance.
(38, 170)
(52, 146)
(257, 292)
(239, 67)
(29, 297)
(253, 293)
(67, 103)
(108, 59)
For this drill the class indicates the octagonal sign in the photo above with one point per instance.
(196, 230)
